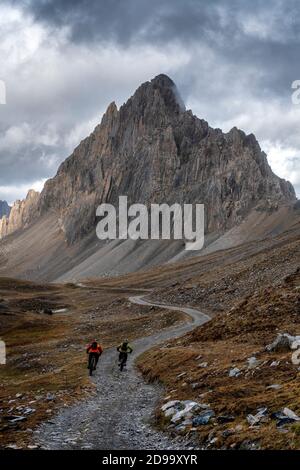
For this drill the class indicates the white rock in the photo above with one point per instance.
(282, 342)
(170, 404)
(181, 375)
(170, 412)
(235, 372)
(186, 412)
(295, 344)
(290, 414)
(274, 363)
(274, 387)
(203, 364)
(252, 362)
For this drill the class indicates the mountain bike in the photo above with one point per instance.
(92, 364)
(122, 360)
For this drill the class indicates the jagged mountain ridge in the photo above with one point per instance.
(153, 150)
(20, 215)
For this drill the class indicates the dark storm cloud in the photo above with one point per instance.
(233, 61)
(126, 21)
(221, 24)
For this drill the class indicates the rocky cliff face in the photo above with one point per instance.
(21, 214)
(154, 151)
(4, 209)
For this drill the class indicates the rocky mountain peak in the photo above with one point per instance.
(152, 150)
(22, 213)
(111, 112)
(163, 81)
(156, 99)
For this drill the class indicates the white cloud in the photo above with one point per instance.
(11, 193)
(285, 161)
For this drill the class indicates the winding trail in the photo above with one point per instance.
(119, 416)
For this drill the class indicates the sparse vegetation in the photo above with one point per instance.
(46, 353)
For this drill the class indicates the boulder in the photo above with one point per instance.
(283, 342)
(186, 412)
(285, 416)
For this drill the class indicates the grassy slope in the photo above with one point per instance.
(226, 342)
(46, 353)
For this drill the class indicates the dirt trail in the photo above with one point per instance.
(118, 417)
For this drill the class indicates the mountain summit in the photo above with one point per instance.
(154, 151)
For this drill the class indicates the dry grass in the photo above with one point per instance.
(46, 353)
(226, 342)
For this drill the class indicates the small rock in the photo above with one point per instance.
(203, 417)
(252, 362)
(290, 414)
(249, 445)
(228, 432)
(274, 363)
(13, 446)
(196, 385)
(235, 372)
(15, 419)
(28, 411)
(286, 416)
(274, 387)
(170, 412)
(170, 404)
(189, 406)
(180, 375)
(239, 428)
(203, 364)
(50, 397)
(260, 417)
(282, 343)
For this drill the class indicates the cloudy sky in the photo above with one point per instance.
(64, 61)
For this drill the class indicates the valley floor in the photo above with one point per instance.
(118, 415)
(46, 358)
(252, 294)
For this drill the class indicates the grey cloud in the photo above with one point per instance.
(233, 62)
(263, 34)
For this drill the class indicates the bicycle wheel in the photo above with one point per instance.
(92, 365)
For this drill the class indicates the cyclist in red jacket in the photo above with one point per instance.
(94, 349)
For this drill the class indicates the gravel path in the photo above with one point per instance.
(119, 416)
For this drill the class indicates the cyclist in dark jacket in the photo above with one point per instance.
(124, 349)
